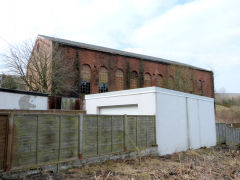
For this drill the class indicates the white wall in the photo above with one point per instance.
(118, 102)
(119, 109)
(23, 101)
(183, 121)
(171, 123)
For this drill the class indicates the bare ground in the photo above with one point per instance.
(213, 163)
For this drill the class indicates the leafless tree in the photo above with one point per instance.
(43, 69)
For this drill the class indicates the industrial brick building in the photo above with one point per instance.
(103, 69)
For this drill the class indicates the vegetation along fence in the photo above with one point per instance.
(39, 139)
(227, 135)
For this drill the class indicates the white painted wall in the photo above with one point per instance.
(119, 109)
(23, 101)
(183, 121)
(117, 102)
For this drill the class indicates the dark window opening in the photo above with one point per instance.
(103, 87)
(85, 87)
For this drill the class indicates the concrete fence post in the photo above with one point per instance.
(9, 141)
(111, 133)
(80, 136)
(137, 131)
(37, 141)
(125, 132)
(97, 135)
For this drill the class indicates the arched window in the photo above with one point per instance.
(159, 81)
(133, 80)
(119, 80)
(85, 76)
(85, 73)
(170, 82)
(147, 80)
(103, 80)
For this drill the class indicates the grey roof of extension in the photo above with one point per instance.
(117, 52)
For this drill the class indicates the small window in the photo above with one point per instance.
(119, 80)
(147, 80)
(133, 80)
(103, 87)
(159, 81)
(103, 80)
(85, 75)
(85, 87)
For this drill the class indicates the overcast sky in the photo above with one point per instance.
(204, 33)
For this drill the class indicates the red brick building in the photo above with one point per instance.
(101, 69)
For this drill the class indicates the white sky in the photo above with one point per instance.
(204, 33)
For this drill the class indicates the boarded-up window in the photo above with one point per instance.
(85, 73)
(119, 80)
(85, 86)
(133, 80)
(103, 80)
(103, 75)
(159, 81)
(147, 80)
(170, 82)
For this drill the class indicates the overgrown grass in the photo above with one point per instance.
(212, 163)
(229, 114)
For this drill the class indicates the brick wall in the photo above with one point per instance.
(112, 62)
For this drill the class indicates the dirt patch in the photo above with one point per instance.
(212, 163)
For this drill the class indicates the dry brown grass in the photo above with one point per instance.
(227, 115)
(213, 163)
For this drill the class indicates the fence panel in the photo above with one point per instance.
(40, 139)
(24, 140)
(142, 135)
(221, 133)
(3, 140)
(69, 136)
(48, 138)
(117, 133)
(232, 136)
(151, 131)
(90, 135)
(131, 135)
(104, 134)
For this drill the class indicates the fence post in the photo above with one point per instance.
(146, 126)
(125, 132)
(9, 141)
(111, 133)
(97, 135)
(37, 142)
(59, 142)
(155, 129)
(80, 136)
(137, 131)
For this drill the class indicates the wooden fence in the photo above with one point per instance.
(227, 135)
(40, 139)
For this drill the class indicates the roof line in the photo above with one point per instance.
(118, 52)
(22, 92)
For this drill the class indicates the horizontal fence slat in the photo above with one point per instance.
(41, 139)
